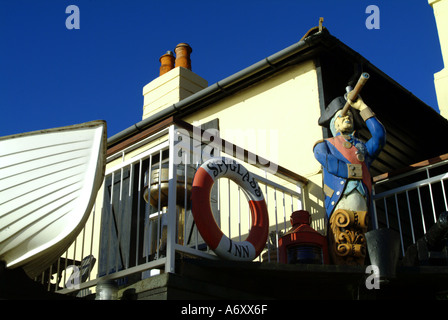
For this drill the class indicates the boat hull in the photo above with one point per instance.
(48, 185)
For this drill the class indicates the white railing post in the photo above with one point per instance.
(172, 212)
(413, 210)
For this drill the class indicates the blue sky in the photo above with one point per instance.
(51, 76)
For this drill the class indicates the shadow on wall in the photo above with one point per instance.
(314, 204)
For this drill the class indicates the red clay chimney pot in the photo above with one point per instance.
(183, 51)
(167, 62)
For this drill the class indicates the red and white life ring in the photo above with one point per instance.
(224, 247)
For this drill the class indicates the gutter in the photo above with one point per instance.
(221, 87)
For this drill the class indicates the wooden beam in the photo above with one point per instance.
(412, 167)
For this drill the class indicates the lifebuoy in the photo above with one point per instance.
(224, 247)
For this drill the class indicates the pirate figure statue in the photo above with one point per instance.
(347, 182)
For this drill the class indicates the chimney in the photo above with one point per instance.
(176, 81)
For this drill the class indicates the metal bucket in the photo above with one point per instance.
(163, 174)
(383, 246)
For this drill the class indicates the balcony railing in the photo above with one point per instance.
(142, 218)
(410, 202)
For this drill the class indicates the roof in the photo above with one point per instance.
(412, 126)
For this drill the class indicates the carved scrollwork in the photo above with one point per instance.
(343, 249)
(343, 218)
(347, 241)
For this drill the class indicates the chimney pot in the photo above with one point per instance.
(167, 62)
(183, 51)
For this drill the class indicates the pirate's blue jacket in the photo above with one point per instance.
(336, 154)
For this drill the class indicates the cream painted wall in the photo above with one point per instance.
(283, 111)
(440, 8)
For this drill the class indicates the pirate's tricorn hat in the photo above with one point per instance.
(334, 106)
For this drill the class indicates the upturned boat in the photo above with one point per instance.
(49, 180)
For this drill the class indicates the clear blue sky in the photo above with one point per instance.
(51, 76)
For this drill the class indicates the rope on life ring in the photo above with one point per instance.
(205, 177)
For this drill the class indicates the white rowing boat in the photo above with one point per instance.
(48, 184)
